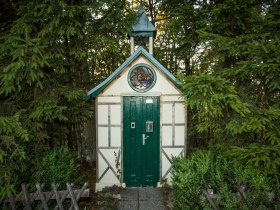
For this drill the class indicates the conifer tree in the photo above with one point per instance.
(235, 98)
(47, 54)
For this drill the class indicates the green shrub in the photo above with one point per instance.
(56, 165)
(203, 170)
(266, 158)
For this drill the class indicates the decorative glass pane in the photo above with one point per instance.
(141, 78)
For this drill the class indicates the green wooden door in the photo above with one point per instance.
(141, 141)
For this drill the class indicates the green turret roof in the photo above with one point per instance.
(143, 26)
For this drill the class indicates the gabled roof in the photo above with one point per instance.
(140, 51)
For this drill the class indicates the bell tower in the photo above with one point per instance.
(143, 31)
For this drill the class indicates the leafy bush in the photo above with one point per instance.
(56, 165)
(45, 165)
(202, 171)
(266, 158)
(13, 135)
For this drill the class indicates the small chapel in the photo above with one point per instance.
(141, 120)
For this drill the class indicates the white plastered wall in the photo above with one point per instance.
(109, 125)
(109, 139)
(173, 132)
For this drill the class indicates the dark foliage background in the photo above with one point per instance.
(226, 54)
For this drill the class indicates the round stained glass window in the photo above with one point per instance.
(141, 77)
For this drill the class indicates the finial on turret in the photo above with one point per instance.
(142, 30)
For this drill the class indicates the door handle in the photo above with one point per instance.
(144, 137)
